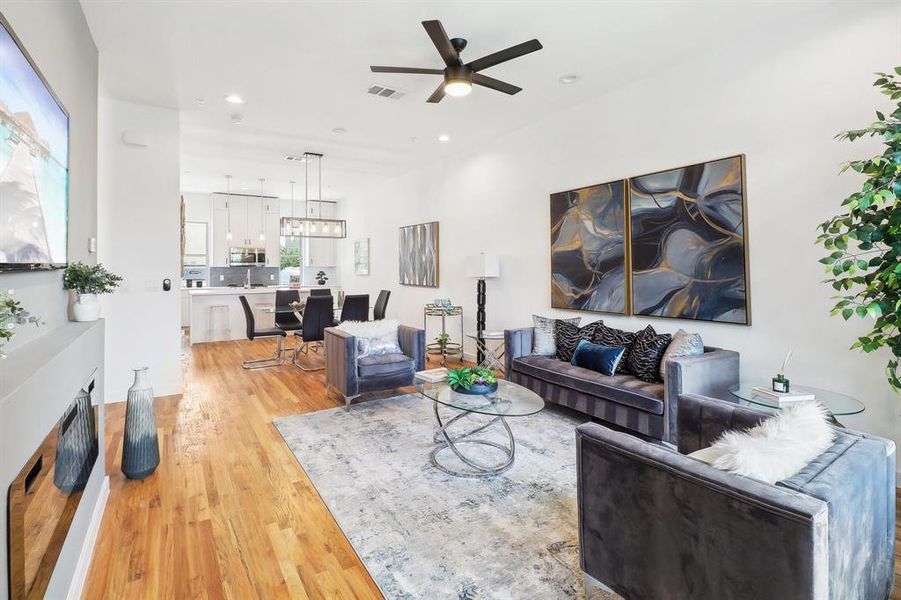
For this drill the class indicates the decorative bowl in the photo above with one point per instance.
(478, 389)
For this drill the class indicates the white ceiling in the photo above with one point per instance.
(302, 68)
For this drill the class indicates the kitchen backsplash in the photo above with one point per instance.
(237, 276)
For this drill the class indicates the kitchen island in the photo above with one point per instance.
(229, 322)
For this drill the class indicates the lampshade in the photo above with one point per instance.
(483, 266)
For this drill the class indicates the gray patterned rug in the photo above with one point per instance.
(424, 534)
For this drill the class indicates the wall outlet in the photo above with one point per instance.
(222, 278)
(271, 277)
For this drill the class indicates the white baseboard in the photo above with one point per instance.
(87, 548)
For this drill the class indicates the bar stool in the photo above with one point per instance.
(220, 310)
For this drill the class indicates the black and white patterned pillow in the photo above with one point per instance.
(647, 352)
(569, 336)
(609, 336)
(544, 339)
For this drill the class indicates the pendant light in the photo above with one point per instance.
(311, 226)
(228, 207)
(262, 214)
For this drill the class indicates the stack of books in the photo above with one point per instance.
(432, 375)
(782, 399)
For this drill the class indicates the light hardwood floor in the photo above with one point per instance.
(229, 513)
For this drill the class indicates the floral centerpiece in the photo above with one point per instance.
(11, 316)
(472, 380)
(87, 282)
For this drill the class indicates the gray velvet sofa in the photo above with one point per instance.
(352, 376)
(624, 400)
(654, 523)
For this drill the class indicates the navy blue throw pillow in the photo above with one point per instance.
(596, 357)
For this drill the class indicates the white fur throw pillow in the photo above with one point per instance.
(775, 449)
(373, 337)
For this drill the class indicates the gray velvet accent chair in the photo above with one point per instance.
(649, 409)
(654, 523)
(351, 376)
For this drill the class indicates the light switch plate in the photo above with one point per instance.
(92, 245)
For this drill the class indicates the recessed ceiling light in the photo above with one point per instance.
(339, 130)
(567, 79)
(237, 119)
(234, 99)
(443, 138)
(243, 188)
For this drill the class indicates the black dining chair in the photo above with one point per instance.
(320, 292)
(317, 315)
(381, 304)
(253, 333)
(356, 308)
(286, 321)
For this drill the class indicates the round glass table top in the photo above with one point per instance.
(510, 399)
(838, 404)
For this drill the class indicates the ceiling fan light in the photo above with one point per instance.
(457, 87)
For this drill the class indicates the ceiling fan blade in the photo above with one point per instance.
(505, 55)
(437, 95)
(442, 43)
(495, 84)
(415, 70)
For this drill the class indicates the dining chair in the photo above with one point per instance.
(318, 314)
(356, 308)
(320, 292)
(381, 304)
(253, 333)
(286, 321)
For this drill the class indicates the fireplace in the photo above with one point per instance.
(43, 498)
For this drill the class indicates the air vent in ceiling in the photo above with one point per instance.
(385, 92)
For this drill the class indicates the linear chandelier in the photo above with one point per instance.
(309, 226)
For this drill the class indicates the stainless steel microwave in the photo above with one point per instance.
(243, 256)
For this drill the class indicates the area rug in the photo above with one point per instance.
(424, 534)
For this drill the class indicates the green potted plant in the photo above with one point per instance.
(864, 240)
(87, 282)
(442, 340)
(472, 380)
(11, 316)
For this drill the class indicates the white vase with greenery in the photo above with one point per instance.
(88, 282)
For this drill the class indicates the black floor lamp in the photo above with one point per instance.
(482, 266)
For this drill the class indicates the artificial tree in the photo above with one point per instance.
(865, 240)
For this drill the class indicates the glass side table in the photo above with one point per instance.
(836, 403)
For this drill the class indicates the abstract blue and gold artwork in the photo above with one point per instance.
(688, 246)
(588, 248)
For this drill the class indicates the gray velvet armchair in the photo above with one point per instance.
(654, 523)
(352, 376)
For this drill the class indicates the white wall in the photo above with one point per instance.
(779, 101)
(140, 240)
(57, 37)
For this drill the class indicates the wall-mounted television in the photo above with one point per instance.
(34, 163)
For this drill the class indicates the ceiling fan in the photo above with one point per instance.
(459, 77)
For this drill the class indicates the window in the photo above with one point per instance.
(195, 244)
(291, 255)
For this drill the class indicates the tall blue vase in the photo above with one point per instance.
(140, 448)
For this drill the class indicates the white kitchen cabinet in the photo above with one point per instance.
(321, 252)
(219, 233)
(272, 227)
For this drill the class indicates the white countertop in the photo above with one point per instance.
(241, 291)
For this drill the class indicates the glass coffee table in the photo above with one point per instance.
(510, 400)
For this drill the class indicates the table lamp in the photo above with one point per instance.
(482, 266)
